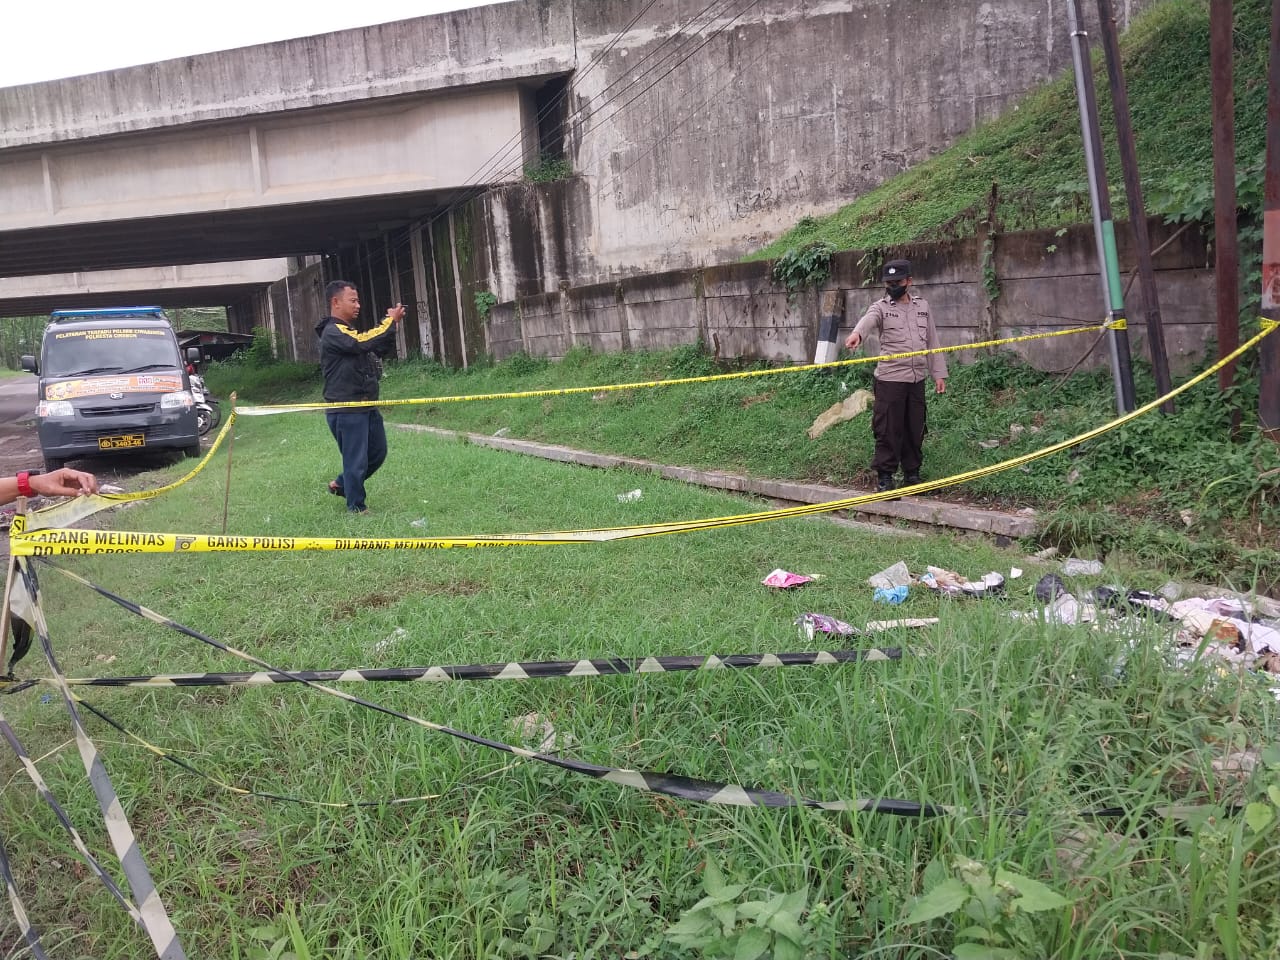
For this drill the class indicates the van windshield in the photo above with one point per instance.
(70, 353)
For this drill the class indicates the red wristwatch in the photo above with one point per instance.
(24, 484)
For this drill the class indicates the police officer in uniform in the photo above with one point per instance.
(904, 324)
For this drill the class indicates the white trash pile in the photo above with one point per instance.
(1241, 632)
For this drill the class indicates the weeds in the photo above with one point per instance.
(804, 267)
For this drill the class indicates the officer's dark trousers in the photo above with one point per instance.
(897, 421)
(362, 438)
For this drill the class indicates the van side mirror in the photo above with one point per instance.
(193, 354)
(29, 364)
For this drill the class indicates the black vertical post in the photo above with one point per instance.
(1269, 386)
(1226, 261)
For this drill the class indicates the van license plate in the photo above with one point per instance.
(122, 443)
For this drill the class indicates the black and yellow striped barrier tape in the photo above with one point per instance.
(512, 670)
(20, 915)
(692, 789)
(42, 788)
(65, 542)
(686, 788)
(263, 410)
(150, 913)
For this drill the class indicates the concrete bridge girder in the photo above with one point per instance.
(188, 285)
(302, 179)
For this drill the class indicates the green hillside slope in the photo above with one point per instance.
(1033, 156)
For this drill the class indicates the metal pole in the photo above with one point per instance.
(1226, 265)
(231, 442)
(1104, 231)
(1133, 193)
(1269, 386)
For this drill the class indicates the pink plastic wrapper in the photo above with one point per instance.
(780, 578)
(815, 623)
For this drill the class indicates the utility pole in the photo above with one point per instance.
(1104, 231)
(1137, 208)
(1226, 249)
(1269, 386)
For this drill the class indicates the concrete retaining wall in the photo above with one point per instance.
(1041, 281)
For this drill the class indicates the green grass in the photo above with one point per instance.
(1123, 492)
(1033, 155)
(521, 860)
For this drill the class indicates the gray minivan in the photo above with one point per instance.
(111, 381)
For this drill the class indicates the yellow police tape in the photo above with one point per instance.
(63, 542)
(269, 409)
(74, 510)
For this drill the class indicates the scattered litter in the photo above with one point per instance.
(103, 658)
(912, 622)
(846, 409)
(1066, 609)
(952, 584)
(1237, 765)
(1188, 518)
(1016, 430)
(631, 496)
(1220, 627)
(535, 726)
(1048, 587)
(896, 576)
(502, 431)
(1048, 553)
(420, 522)
(110, 488)
(890, 595)
(1073, 475)
(784, 580)
(46, 698)
(811, 624)
(1015, 573)
(386, 643)
(989, 444)
(1076, 568)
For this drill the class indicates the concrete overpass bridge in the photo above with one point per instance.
(394, 155)
(188, 285)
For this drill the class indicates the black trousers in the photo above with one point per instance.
(897, 421)
(362, 438)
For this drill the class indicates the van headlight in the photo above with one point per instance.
(179, 400)
(55, 408)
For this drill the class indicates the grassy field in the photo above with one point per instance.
(1128, 494)
(985, 712)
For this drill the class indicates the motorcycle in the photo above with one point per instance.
(208, 411)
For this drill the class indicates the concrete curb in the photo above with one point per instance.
(914, 509)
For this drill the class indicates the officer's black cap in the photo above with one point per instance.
(895, 269)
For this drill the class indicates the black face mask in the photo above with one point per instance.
(895, 290)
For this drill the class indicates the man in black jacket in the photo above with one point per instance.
(350, 374)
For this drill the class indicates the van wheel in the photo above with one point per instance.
(192, 452)
(53, 463)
